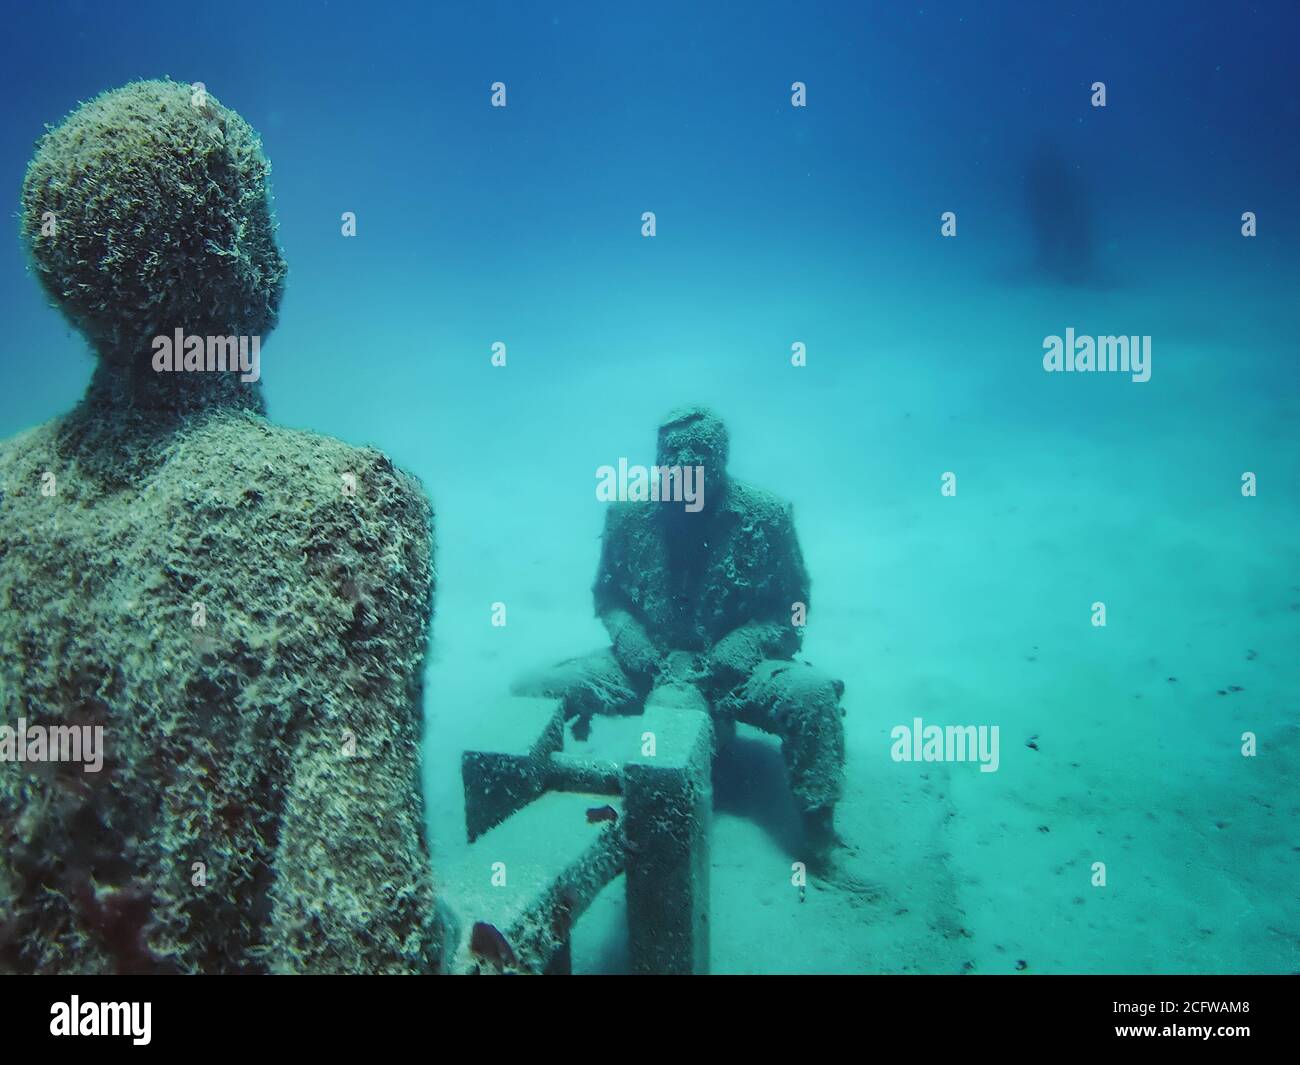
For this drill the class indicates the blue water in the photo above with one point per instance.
(817, 225)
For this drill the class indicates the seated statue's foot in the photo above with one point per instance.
(819, 827)
(830, 857)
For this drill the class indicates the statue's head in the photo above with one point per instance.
(145, 211)
(696, 436)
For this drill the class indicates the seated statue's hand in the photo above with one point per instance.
(734, 657)
(682, 667)
(633, 648)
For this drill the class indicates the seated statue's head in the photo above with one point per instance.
(696, 436)
(147, 211)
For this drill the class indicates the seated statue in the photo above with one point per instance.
(703, 602)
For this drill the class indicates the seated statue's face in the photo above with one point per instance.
(683, 448)
(693, 444)
(696, 437)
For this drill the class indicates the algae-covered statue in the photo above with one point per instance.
(709, 600)
(242, 609)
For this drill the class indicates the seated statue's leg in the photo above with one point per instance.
(801, 705)
(589, 684)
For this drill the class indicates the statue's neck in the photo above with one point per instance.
(127, 423)
(137, 389)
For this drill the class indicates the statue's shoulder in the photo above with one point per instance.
(624, 518)
(758, 507)
(28, 450)
(29, 469)
(291, 471)
(325, 529)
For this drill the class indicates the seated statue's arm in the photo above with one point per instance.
(633, 648)
(794, 574)
(772, 633)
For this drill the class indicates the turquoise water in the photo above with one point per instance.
(819, 225)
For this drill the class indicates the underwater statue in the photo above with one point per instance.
(238, 611)
(1060, 218)
(700, 603)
